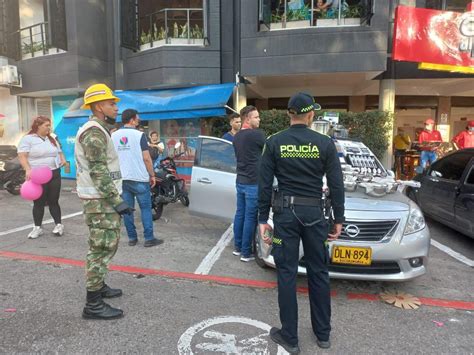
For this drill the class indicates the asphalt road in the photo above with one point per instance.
(171, 311)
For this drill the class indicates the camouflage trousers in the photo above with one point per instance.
(104, 236)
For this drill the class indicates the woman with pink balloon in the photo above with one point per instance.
(41, 157)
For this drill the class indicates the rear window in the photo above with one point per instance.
(217, 155)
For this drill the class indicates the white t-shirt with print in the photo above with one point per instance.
(41, 152)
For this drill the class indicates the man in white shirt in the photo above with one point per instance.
(136, 167)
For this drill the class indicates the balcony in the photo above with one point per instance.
(34, 41)
(171, 26)
(288, 14)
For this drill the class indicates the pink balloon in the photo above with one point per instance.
(31, 191)
(41, 175)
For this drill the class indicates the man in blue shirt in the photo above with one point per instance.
(235, 124)
(136, 167)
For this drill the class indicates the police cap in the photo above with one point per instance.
(302, 102)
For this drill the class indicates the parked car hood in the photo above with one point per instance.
(360, 201)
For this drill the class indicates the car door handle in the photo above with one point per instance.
(204, 181)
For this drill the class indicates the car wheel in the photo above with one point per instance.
(157, 211)
(258, 251)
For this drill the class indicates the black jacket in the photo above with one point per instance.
(299, 158)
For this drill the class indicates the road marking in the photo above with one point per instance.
(48, 221)
(208, 262)
(213, 340)
(223, 280)
(452, 253)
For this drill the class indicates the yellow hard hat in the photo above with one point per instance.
(96, 93)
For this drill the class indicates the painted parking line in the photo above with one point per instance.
(208, 262)
(452, 253)
(223, 280)
(48, 221)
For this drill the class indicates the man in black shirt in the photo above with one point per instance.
(299, 158)
(248, 145)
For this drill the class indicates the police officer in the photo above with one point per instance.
(299, 158)
(99, 185)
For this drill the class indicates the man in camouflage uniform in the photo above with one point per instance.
(99, 185)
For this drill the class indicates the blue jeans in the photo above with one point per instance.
(426, 156)
(141, 191)
(245, 220)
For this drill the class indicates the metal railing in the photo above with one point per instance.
(172, 26)
(33, 39)
(314, 14)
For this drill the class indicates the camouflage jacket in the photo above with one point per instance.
(94, 144)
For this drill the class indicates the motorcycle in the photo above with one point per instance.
(11, 172)
(169, 187)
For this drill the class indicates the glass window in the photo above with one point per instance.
(170, 22)
(470, 178)
(448, 5)
(451, 167)
(217, 155)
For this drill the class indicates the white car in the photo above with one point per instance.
(384, 238)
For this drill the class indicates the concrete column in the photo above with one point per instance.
(240, 97)
(357, 103)
(444, 119)
(387, 103)
(261, 104)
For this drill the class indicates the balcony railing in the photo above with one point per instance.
(313, 13)
(171, 26)
(34, 41)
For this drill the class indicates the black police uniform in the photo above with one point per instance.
(299, 157)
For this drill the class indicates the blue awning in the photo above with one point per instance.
(192, 102)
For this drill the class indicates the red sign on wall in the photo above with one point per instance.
(432, 36)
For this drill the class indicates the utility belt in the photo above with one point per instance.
(281, 201)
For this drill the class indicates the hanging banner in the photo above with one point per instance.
(434, 37)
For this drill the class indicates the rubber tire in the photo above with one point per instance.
(258, 260)
(13, 187)
(157, 212)
(184, 200)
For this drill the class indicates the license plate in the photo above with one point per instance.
(351, 255)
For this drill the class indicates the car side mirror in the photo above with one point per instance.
(435, 173)
(391, 174)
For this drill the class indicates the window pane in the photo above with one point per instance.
(452, 167)
(457, 5)
(218, 155)
(470, 178)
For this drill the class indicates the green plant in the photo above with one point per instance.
(298, 15)
(184, 31)
(145, 37)
(276, 18)
(26, 48)
(353, 11)
(196, 32)
(372, 128)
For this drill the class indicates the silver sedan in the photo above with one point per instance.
(383, 239)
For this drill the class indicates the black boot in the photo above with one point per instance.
(96, 308)
(108, 292)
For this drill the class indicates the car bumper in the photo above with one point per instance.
(390, 261)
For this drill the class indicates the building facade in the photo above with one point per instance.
(271, 48)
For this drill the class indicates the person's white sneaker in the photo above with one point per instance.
(58, 231)
(35, 233)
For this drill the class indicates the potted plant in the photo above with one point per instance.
(277, 21)
(328, 19)
(298, 18)
(159, 37)
(38, 49)
(26, 50)
(145, 40)
(197, 34)
(352, 15)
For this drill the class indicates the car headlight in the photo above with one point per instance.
(416, 221)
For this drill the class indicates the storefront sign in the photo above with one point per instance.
(435, 38)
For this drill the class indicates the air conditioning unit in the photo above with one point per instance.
(9, 76)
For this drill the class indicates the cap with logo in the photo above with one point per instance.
(302, 102)
(429, 121)
(471, 124)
